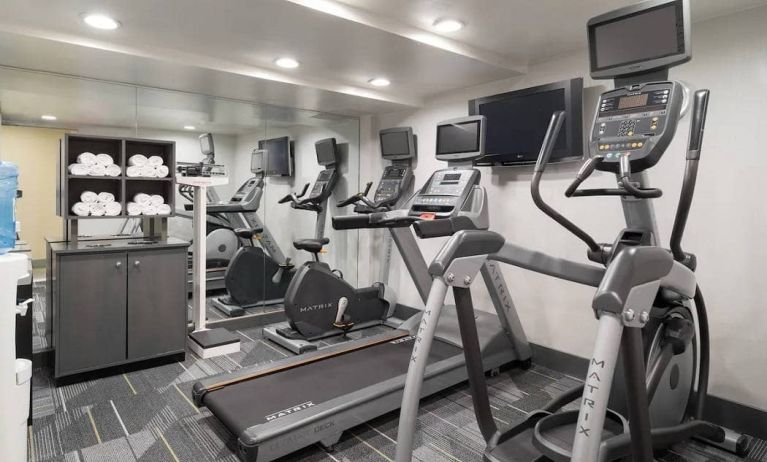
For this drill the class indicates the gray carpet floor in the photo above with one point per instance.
(147, 415)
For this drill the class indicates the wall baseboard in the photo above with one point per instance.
(729, 414)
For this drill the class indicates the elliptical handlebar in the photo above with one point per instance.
(694, 145)
(552, 132)
(625, 175)
(586, 170)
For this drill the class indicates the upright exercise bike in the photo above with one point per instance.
(649, 306)
(319, 302)
(256, 275)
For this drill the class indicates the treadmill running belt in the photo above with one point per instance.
(254, 402)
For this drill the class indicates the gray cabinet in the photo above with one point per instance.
(116, 302)
(91, 318)
(156, 281)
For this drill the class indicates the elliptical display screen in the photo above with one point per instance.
(327, 152)
(278, 159)
(397, 143)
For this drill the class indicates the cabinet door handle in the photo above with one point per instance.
(118, 264)
(136, 264)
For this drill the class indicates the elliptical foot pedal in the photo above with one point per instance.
(213, 342)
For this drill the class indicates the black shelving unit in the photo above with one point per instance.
(123, 187)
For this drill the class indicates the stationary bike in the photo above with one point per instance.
(319, 303)
(256, 275)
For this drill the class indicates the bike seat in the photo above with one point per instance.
(248, 233)
(311, 245)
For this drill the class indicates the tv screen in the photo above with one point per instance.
(397, 143)
(637, 38)
(633, 40)
(327, 152)
(279, 159)
(517, 122)
(459, 137)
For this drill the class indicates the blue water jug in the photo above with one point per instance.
(9, 183)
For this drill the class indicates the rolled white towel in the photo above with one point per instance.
(113, 170)
(113, 209)
(89, 197)
(142, 199)
(149, 210)
(156, 199)
(147, 171)
(104, 159)
(137, 160)
(163, 209)
(97, 170)
(81, 209)
(134, 208)
(155, 161)
(86, 158)
(98, 209)
(133, 171)
(105, 197)
(78, 169)
(161, 171)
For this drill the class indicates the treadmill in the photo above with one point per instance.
(280, 407)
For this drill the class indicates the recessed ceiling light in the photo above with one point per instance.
(48, 117)
(101, 21)
(189, 127)
(287, 63)
(379, 82)
(448, 25)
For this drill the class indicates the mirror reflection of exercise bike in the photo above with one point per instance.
(257, 274)
(319, 303)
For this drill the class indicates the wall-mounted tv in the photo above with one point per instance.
(279, 156)
(517, 122)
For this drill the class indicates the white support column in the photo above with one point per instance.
(199, 268)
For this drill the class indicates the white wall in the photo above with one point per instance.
(287, 224)
(726, 225)
(187, 150)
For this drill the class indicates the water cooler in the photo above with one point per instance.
(15, 374)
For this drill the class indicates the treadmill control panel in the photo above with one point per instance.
(245, 191)
(394, 182)
(445, 193)
(638, 121)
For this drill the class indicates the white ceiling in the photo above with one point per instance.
(226, 48)
(531, 30)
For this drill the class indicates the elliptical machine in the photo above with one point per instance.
(319, 302)
(649, 306)
(256, 275)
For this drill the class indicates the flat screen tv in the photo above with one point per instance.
(640, 38)
(279, 156)
(517, 122)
